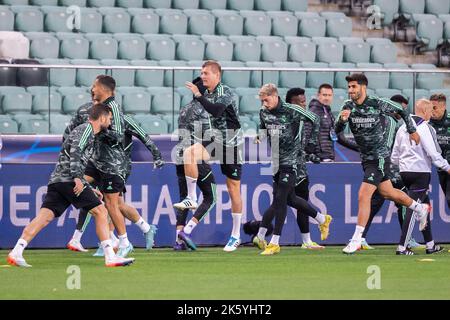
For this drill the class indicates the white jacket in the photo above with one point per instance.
(418, 158)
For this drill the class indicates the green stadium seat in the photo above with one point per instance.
(144, 22)
(428, 80)
(328, 50)
(148, 78)
(68, 3)
(258, 78)
(388, 9)
(228, 23)
(55, 19)
(437, 7)
(14, 2)
(398, 80)
(246, 48)
(339, 77)
(290, 79)
(24, 117)
(115, 20)
(383, 52)
(43, 102)
(160, 47)
(91, 21)
(213, 4)
(8, 125)
(233, 78)
(172, 21)
(311, 24)
(189, 47)
(172, 121)
(315, 79)
(6, 19)
(268, 5)
(446, 21)
(60, 77)
(58, 123)
(197, 64)
(102, 46)
(131, 47)
(387, 93)
(76, 47)
(256, 23)
(410, 7)
(352, 40)
(240, 4)
(85, 77)
(164, 100)
(273, 49)
(135, 100)
(200, 22)
(429, 31)
(218, 48)
(283, 23)
(185, 4)
(176, 78)
(157, 4)
(414, 96)
(15, 101)
(339, 98)
(28, 18)
(377, 80)
(294, 5)
(248, 126)
(152, 124)
(301, 49)
(339, 27)
(357, 52)
(130, 3)
(101, 3)
(249, 102)
(43, 45)
(34, 127)
(185, 95)
(73, 98)
(124, 78)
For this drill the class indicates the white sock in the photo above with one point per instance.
(262, 233)
(192, 188)
(358, 233)
(144, 226)
(275, 240)
(108, 249)
(177, 233)
(123, 241)
(236, 232)
(114, 239)
(306, 237)
(320, 218)
(430, 245)
(77, 235)
(190, 227)
(20, 246)
(401, 248)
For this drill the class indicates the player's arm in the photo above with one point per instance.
(431, 147)
(79, 141)
(342, 119)
(395, 155)
(388, 107)
(116, 131)
(347, 142)
(262, 130)
(74, 122)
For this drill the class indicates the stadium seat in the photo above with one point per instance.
(28, 19)
(273, 49)
(15, 101)
(228, 23)
(176, 78)
(410, 7)
(446, 21)
(233, 78)
(102, 46)
(85, 77)
(6, 19)
(7, 75)
(301, 49)
(377, 80)
(429, 32)
(258, 78)
(185, 4)
(200, 22)
(164, 100)
(148, 78)
(101, 3)
(294, 5)
(172, 21)
(76, 47)
(27, 77)
(130, 3)
(213, 4)
(383, 52)
(339, 27)
(339, 98)
(73, 98)
(131, 47)
(160, 47)
(388, 9)
(58, 123)
(43, 45)
(144, 22)
(135, 100)
(387, 93)
(290, 79)
(315, 79)
(283, 23)
(8, 125)
(163, 4)
(240, 4)
(115, 20)
(437, 7)
(152, 124)
(55, 19)
(357, 52)
(339, 77)
(189, 47)
(246, 48)
(172, 121)
(249, 102)
(328, 50)
(256, 23)
(311, 24)
(428, 80)
(78, 3)
(218, 48)
(197, 64)
(124, 78)
(248, 126)
(398, 80)
(43, 2)
(91, 21)
(44, 103)
(33, 126)
(60, 77)
(414, 96)
(268, 5)
(185, 95)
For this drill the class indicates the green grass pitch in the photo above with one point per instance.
(210, 273)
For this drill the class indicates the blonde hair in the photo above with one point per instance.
(269, 89)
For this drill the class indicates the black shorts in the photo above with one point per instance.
(60, 196)
(92, 172)
(111, 183)
(205, 179)
(230, 159)
(376, 171)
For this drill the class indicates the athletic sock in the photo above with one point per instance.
(192, 188)
(320, 218)
(20, 246)
(262, 233)
(236, 232)
(358, 233)
(77, 235)
(177, 240)
(108, 249)
(275, 240)
(430, 245)
(144, 226)
(306, 237)
(190, 227)
(114, 239)
(123, 241)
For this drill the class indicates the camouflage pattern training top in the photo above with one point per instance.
(366, 124)
(80, 117)
(442, 128)
(284, 127)
(75, 153)
(308, 127)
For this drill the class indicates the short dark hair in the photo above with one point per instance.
(213, 64)
(98, 110)
(294, 92)
(358, 77)
(399, 99)
(325, 86)
(107, 81)
(440, 97)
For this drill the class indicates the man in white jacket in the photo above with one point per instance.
(415, 163)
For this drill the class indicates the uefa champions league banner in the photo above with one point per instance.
(333, 189)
